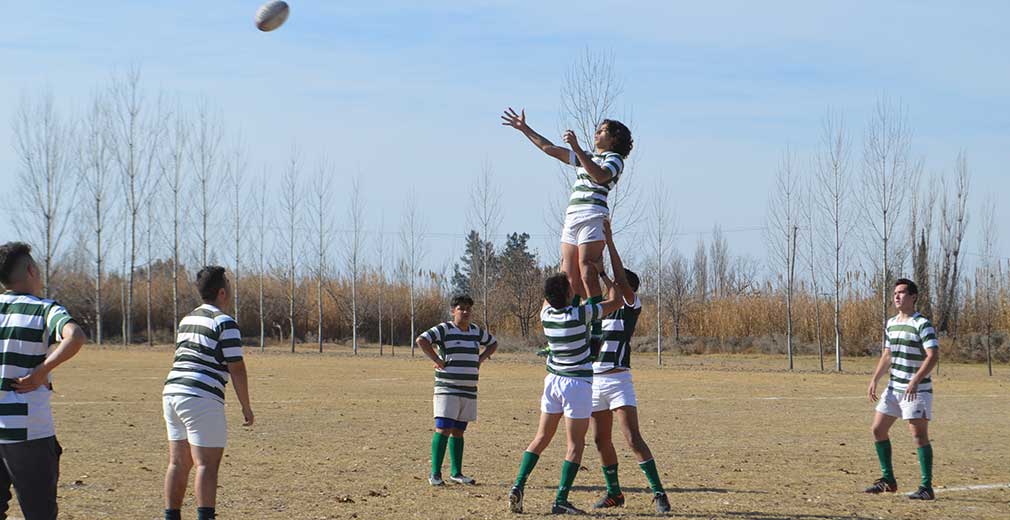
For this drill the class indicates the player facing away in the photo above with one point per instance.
(911, 352)
(208, 352)
(36, 336)
(568, 387)
(596, 175)
(457, 362)
(614, 393)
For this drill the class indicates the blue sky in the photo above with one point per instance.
(406, 94)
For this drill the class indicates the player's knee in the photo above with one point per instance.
(878, 431)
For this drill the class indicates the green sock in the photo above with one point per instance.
(884, 455)
(613, 486)
(438, 442)
(576, 301)
(456, 455)
(652, 474)
(568, 472)
(526, 467)
(926, 465)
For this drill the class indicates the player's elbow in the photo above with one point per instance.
(77, 335)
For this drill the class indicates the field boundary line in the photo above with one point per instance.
(977, 487)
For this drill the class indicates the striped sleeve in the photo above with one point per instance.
(592, 312)
(614, 163)
(57, 317)
(229, 340)
(433, 335)
(572, 158)
(486, 338)
(928, 335)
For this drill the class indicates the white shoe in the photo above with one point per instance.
(436, 480)
(463, 479)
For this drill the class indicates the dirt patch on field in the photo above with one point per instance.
(349, 437)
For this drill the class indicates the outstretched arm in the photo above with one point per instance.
(615, 260)
(518, 121)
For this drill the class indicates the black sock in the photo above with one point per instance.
(173, 514)
(205, 513)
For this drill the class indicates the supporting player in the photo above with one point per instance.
(208, 351)
(568, 387)
(582, 236)
(614, 393)
(29, 326)
(911, 352)
(457, 363)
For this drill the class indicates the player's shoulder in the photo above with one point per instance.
(922, 322)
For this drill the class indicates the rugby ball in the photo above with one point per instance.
(271, 15)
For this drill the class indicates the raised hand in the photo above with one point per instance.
(571, 139)
(517, 121)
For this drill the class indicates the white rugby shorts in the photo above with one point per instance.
(199, 420)
(455, 407)
(582, 229)
(573, 397)
(613, 390)
(894, 404)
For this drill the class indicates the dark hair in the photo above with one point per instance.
(11, 256)
(623, 143)
(209, 281)
(460, 300)
(912, 288)
(632, 278)
(556, 290)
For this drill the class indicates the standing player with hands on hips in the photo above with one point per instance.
(911, 353)
(457, 363)
(597, 174)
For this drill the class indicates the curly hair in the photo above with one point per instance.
(623, 143)
(556, 289)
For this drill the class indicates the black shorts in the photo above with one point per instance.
(35, 467)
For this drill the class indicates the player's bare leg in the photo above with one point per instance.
(546, 429)
(180, 462)
(571, 266)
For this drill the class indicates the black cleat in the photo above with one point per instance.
(610, 501)
(565, 508)
(516, 499)
(923, 493)
(662, 502)
(882, 485)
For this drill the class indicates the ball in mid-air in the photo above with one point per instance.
(271, 15)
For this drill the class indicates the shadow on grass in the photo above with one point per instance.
(672, 490)
(758, 515)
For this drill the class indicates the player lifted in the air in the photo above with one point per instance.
(568, 387)
(911, 352)
(597, 174)
(614, 393)
(457, 362)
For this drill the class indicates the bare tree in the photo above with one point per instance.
(173, 173)
(888, 170)
(149, 238)
(720, 263)
(953, 221)
(781, 232)
(485, 212)
(699, 268)
(412, 244)
(236, 173)
(380, 250)
(353, 243)
(42, 145)
(260, 202)
(660, 245)
(987, 275)
(138, 131)
(290, 206)
(204, 156)
(95, 164)
(833, 194)
(679, 292)
(810, 222)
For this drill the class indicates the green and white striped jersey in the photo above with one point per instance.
(618, 328)
(588, 198)
(567, 332)
(908, 341)
(29, 326)
(460, 350)
(207, 340)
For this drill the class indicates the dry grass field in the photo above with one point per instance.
(338, 436)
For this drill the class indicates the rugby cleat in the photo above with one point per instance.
(462, 479)
(565, 508)
(516, 499)
(662, 502)
(610, 501)
(436, 480)
(923, 493)
(882, 485)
